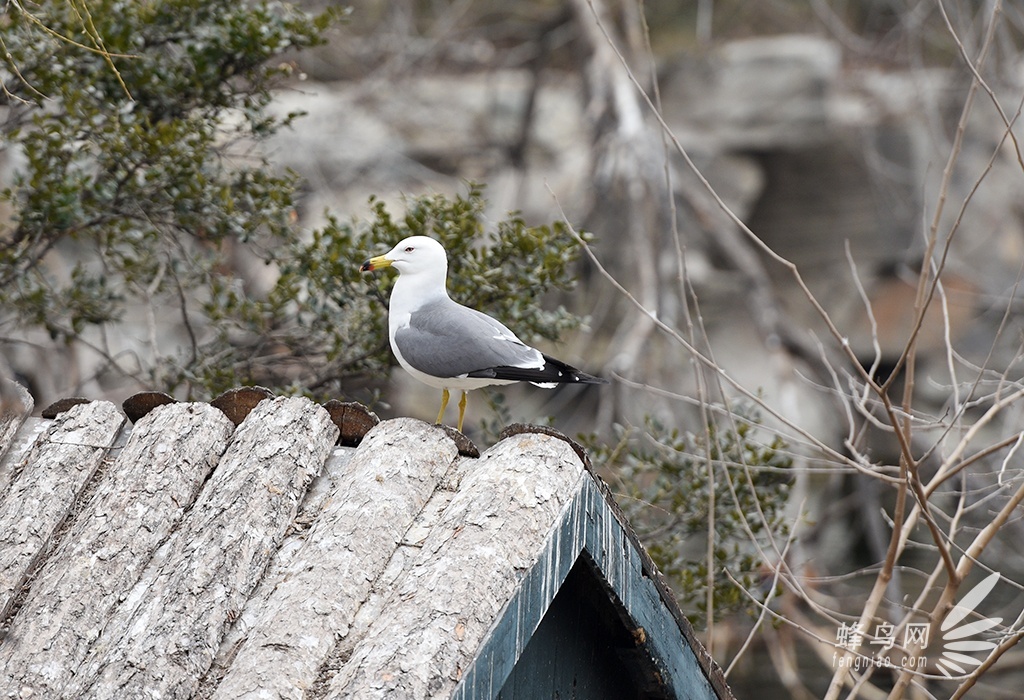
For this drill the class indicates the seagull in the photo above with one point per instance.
(450, 346)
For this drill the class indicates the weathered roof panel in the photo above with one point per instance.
(44, 487)
(362, 522)
(15, 406)
(164, 637)
(468, 566)
(194, 559)
(136, 506)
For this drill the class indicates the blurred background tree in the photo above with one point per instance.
(144, 226)
(132, 189)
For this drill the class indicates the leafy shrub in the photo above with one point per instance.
(661, 479)
(139, 197)
(327, 323)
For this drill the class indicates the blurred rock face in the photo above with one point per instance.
(832, 167)
(835, 168)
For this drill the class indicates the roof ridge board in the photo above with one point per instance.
(591, 526)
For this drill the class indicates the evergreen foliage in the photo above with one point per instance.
(325, 323)
(140, 188)
(662, 483)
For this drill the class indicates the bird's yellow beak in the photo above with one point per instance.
(377, 263)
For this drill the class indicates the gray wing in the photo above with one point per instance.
(446, 339)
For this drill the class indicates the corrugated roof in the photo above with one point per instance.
(187, 557)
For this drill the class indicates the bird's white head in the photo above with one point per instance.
(416, 258)
(412, 255)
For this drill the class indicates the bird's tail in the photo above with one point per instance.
(553, 373)
(563, 373)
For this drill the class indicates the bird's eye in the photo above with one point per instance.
(409, 249)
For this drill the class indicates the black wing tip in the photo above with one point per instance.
(553, 372)
(584, 378)
(569, 374)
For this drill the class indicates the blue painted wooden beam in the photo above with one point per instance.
(592, 527)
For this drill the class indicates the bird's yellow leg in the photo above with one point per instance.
(462, 409)
(444, 404)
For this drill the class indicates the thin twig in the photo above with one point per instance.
(767, 602)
